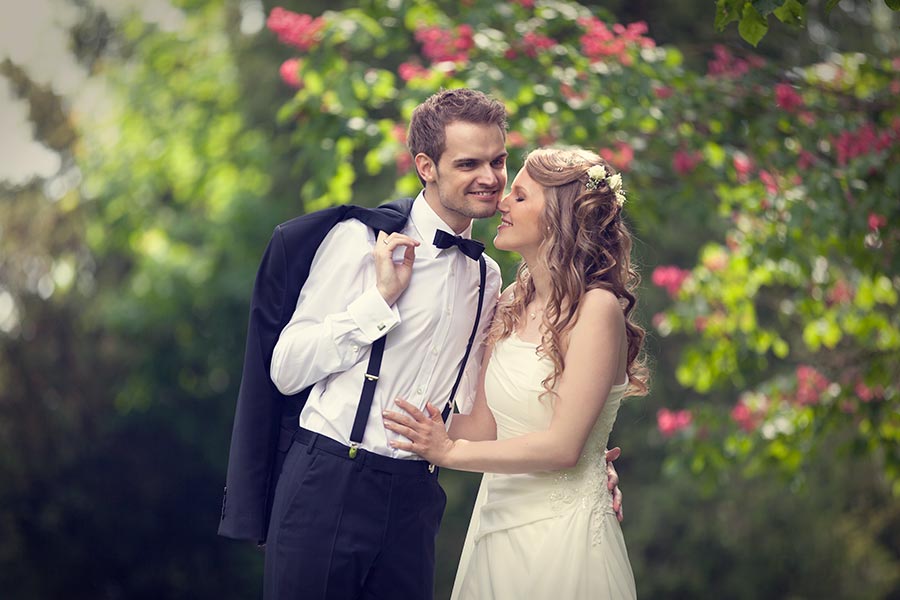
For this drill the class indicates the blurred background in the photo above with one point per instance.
(149, 148)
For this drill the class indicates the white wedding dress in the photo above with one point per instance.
(546, 535)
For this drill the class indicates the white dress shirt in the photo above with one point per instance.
(340, 314)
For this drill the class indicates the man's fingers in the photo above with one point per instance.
(394, 240)
(613, 454)
(617, 504)
(612, 478)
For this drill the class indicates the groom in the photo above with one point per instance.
(353, 517)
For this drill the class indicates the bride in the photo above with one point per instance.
(562, 354)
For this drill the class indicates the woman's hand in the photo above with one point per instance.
(427, 434)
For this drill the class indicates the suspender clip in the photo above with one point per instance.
(354, 447)
(371, 377)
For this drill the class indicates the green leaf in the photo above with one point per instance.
(791, 13)
(753, 26)
(726, 12)
(830, 4)
(893, 4)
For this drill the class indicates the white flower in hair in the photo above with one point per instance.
(598, 174)
(615, 183)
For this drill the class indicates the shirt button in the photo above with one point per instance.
(355, 348)
(421, 390)
(434, 350)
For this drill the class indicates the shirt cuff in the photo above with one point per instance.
(373, 315)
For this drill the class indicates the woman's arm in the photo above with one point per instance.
(595, 360)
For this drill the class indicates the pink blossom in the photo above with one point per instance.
(663, 92)
(658, 320)
(769, 181)
(533, 43)
(684, 162)
(525, 3)
(620, 157)
(446, 45)
(404, 162)
(806, 160)
(725, 65)
(876, 221)
(669, 277)
(670, 422)
(398, 132)
(409, 71)
(743, 165)
(599, 43)
(864, 140)
(787, 98)
(744, 417)
(290, 72)
(840, 293)
(514, 139)
(866, 393)
(810, 385)
(700, 323)
(300, 30)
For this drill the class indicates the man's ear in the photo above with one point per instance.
(426, 167)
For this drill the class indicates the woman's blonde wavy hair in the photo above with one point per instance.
(587, 246)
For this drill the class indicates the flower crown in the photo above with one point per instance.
(598, 174)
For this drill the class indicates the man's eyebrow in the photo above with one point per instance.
(466, 159)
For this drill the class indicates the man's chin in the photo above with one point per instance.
(482, 211)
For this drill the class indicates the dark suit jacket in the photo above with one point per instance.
(265, 420)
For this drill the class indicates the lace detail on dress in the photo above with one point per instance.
(583, 487)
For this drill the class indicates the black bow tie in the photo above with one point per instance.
(471, 248)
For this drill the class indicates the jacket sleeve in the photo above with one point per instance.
(259, 406)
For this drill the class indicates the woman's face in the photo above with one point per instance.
(521, 229)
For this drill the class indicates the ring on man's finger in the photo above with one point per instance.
(385, 241)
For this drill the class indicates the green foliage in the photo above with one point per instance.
(752, 15)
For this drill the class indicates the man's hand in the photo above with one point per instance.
(392, 278)
(612, 482)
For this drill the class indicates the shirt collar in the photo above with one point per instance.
(426, 222)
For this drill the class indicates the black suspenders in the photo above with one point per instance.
(374, 368)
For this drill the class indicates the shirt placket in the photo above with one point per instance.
(449, 299)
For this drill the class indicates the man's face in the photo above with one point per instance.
(470, 177)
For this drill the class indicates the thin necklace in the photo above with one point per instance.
(534, 313)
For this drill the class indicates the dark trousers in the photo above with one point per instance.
(347, 529)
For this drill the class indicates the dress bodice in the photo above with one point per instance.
(513, 390)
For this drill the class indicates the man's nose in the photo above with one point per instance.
(487, 175)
